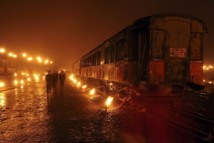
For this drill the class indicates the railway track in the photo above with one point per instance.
(196, 125)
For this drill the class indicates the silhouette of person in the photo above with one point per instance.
(62, 79)
(48, 79)
(55, 80)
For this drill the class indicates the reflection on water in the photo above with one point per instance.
(2, 100)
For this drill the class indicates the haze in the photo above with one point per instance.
(64, 30)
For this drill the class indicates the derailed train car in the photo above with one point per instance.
(162, 48)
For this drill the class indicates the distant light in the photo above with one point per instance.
(10, 54)
(15, 74)
(29, 58)
(28, 79)
(15, 56)
(15, 82)
(2, 84)
(2, 50)
(39, 59)
(24, 55)
(36, 77)
(22, 81)
(46, 61)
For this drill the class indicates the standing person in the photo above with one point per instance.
(48, 79)
(62, 79)
(55, 81)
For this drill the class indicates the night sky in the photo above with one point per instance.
(64, 30)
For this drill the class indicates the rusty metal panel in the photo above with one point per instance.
(156, 71)
(196, 47)
(196, 72)
(157, 43)
(176, 70)
(177, 30)
(197, 27)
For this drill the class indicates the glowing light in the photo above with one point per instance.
(24, 55)
(92, 91)
(10, 54)
(46, 61)
(109, 101)
(207, 67)
(28, 79)
(15, 82)
(71, 77)
(29, 58)
(15, 74)
(2, 84)
(84, 86)
(2, 50)
(79, 84)
(15, 56)
(36, 77)
(2, 99)
(39, 59)
(22, 81)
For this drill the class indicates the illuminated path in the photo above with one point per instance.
(69, 116)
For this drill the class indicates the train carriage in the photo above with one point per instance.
(162, 48)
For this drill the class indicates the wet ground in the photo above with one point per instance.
(26, 116)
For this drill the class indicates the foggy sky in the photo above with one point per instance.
(64, 30)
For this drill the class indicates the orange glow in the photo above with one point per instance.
(109, 101)
(92, 91)
(2, 50)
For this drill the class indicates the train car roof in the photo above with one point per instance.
(145, 21)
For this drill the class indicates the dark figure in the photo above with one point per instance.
(62, 79)
(48, 79)
(55, 80)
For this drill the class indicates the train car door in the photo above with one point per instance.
(177, 56)
(143, 55)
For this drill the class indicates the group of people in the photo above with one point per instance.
(53, 79)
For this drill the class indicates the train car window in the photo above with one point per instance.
(88, 61)
(96, 58)
(196, 46)
(107, 55)
(157, 43)
(112, 57)
(120, 50)
(91, 59)
(84, 63)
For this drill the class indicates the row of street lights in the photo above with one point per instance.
(26, 57)
(208, 74)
